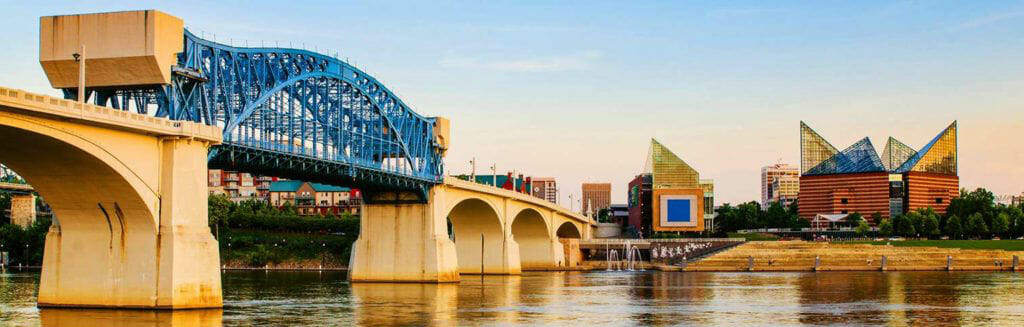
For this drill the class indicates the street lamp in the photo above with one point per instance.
(80, 59)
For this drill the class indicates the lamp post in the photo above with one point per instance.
(80, 59)
(472, 171)
(494, 174)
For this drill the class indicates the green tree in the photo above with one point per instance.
(854, 219)
(876, 218)
(979, 201)
(954, 229)
(885, 228)
(1018, 221)
(914, 218)
(976, 226)
(930, 227)
(862, 228)
(776, 216)
(219, 207)
(903, 226)
(1001, 224)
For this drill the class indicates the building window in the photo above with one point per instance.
(844, 212)
(938, 200)
(844, 201)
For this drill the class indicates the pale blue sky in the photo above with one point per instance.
(575, 90)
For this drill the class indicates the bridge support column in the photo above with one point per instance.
(110, 251)
(23, 209)
(403, 243)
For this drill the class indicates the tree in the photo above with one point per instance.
(854, 219)
(1018, 221)
(876, 218)
(931, 226)
(914, 218)
(903, 226)
(885, 228)
(219, 207)
(776, 216)
(1001, 224)
(979, 201)
(953, 227)
(976, 226)
(862, 228)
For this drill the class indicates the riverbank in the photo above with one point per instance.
(1007, 245)
(823, 256)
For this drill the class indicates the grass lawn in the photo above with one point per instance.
(755, 236)
(1010, 245)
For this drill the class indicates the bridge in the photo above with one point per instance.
(125, 175)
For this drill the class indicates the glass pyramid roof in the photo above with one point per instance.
(667, 170)
(895, 154)
(818, 157)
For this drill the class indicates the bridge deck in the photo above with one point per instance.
(49, 107)
(15, 187)
(458, 183)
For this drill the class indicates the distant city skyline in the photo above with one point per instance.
(576, 92)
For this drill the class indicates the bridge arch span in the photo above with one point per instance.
(480, 239)
(537, 248)
(568, 230)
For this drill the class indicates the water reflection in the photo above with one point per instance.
(49, 317)
(572, 298)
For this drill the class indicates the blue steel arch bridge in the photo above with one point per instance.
(292, 113)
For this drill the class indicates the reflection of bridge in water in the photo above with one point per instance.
(123, 174)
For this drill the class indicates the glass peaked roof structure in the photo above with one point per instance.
(668, 171)
(858, 158)
(896, 153)
(814, 149)
(939, 156)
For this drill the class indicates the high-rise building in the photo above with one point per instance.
(769, 174)
(858, 180)
(785, 190)
(596, 196)
(545, 188)
(668, 195)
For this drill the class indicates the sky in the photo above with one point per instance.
(575, 90)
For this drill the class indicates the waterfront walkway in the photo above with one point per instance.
(823, 256)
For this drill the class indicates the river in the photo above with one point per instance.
(258, 298)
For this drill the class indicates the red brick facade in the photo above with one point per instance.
(865, 193)
(931, 190)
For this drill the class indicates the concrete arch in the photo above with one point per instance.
(568, 230)
(480, 239)
(536, 248)
(79, 178)
(127, 217)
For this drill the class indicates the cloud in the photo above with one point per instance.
(575, 61)
(988, 20)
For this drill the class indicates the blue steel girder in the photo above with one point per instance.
(293, 104)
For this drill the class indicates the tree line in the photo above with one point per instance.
(973, 214)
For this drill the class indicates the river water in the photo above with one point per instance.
(257, 298)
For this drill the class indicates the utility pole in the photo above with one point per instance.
(80, 58)
(472, 174)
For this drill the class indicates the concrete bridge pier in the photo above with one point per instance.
(402, 243)
(102, 254)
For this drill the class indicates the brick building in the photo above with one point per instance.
(858, 180)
